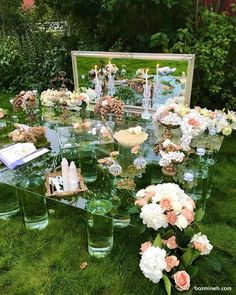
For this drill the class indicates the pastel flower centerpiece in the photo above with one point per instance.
(165, 205)
(169, 116)
(172, 256)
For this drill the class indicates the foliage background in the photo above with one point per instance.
(32, 52)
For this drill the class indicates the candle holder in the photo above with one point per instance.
(156, 90)
(146, 102)
(111, 85)
(98, 88)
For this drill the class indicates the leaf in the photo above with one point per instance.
(214, 262)
(188, 256)
(133, 210)
(143, 227)
(83, 265)
(167, 284)
(199, 215)
(192, 270)
(157, 242)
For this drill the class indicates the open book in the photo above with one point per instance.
(20, 153)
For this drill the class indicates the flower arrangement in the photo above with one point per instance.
(24, 100)
(165, 204)
(168, 115)
(170, 154)
(110, 105)
(171, 259)
(76, 99)
(193, 124)
(24, 133)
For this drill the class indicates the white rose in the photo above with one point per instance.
(177, 207)
(181, 222)
(201, 243)
(140, 194)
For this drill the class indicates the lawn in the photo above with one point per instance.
(48, 262)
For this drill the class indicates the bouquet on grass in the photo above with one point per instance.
(171, 259)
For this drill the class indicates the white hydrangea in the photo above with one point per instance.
(153, 263)
(201, 243)
(152, 215)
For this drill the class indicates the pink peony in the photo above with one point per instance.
(135, 149)
(182, 280)
(171, 243)
(145, 246)
(171, 262)
(171, 217)
(189, 214)
(166, 203)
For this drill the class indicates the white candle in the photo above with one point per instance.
(73, 177)
(65, 174)
(109, 68)
(96, 73)
(157, 69)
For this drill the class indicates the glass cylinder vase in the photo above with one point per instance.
(34, 205)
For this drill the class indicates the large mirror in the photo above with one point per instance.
(137, 78)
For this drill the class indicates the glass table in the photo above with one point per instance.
(26, 183)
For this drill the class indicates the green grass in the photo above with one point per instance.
(48, 262)
(85, 64)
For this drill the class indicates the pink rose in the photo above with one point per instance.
(171, 262)
(189, 214)
(81, 96)
(171, 217)
(141, 202)
(145, 246)
(135, 149)
(171, 243)
(1, 115)
(166, 203)
(193, 122)
(182, 280)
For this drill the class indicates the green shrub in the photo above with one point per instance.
(10, 61)
(212, 39)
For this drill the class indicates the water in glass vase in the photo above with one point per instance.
(9, 204)
(34, 205)
(88, 164)
(99, 228)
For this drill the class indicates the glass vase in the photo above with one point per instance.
(9, 204)
(34, 205)
(99, 228)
